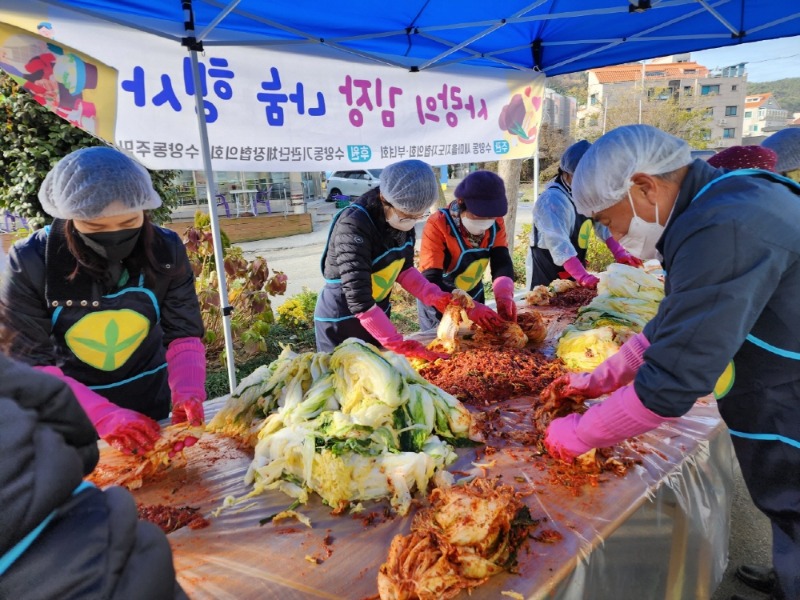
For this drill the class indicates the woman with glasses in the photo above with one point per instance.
(370, 247)
(460, 241)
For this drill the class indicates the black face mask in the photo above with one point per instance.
(112, 245)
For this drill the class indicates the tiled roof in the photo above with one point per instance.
(761, 99)
(633, 72)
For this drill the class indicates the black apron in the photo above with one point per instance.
(543, 269)
(112, 343)
(333, 321)
(466, 275)
(758, 389)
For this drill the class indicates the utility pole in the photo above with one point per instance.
(607, 99)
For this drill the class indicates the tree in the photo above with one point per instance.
(684, 117)
(33, 139)
(552, 143)
(785, 91)
(509, 171)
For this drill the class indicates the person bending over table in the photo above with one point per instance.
(105, 300)
(729, 322)
(370, 246)
(460, 241)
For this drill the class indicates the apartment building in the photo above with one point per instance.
(558, 111)
(719, 93)
(763, 115)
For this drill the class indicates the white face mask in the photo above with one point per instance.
(476, 226)
(401, 223)
(642, 235)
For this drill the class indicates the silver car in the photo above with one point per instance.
(352, 183)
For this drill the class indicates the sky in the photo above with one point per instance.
(766, 61)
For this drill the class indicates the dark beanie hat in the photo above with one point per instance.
(484, 194)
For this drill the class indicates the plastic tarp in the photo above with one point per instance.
(554, 36)
(661, 531)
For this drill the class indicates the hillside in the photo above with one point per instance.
(786, 92)
(571, 84)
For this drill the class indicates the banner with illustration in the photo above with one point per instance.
(269, 110)
(73, 85)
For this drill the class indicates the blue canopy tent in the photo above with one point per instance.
(549, 36)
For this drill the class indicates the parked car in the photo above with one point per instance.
(352, 183)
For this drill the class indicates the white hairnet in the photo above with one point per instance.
(86, 183)
(409, 185)
(603, 176)
(572, 156)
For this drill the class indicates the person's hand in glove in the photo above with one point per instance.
(485, 317)
(620, 416)
(617, 370)
(414, 349)
(621, 255)
(429, 293)
(576, 270)
(186, 374)
(504, 298)
(126, 430)
(380, 327)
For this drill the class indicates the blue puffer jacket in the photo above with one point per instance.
(93, 545)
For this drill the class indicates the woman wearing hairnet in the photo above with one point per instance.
(729, 323)
(560, 235)
(105, 300)
(460, 241)
(370, 246)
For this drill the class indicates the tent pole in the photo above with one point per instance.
(211, 193)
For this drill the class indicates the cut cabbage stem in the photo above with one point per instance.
(268, 519)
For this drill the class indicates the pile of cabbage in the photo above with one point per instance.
(355, 424)
(627, 299)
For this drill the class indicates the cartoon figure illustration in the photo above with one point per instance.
(45, 29)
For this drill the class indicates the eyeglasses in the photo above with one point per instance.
(404, 216)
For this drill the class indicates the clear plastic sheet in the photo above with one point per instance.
(661, 531)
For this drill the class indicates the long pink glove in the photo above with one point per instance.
(429, 293)
(620, 416)
(621, 255)
(485, 317)
(126, 430)
(378, 324)
(574, 267)
(186, 373)
(504, 298)
(612, 373)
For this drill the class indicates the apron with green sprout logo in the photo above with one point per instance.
(111, 342)
(333, 321)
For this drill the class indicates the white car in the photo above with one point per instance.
(352, 183)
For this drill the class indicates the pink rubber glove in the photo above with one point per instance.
(186, 373)
(621, 255)
(485, 317)
(504, 298)
(126, 430)
(574, 267)
(620, 416)
(429, 293)
(617, 370)
(378, 324)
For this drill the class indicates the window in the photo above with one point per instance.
(687, 90)
(706, 134)
(729, 132)
(593, 99)
(708, 90)
(734, 88)
(748, 114)
(582, 122)
(710, 111)
(755, 127)
(730, 111)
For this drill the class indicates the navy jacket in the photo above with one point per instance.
(93, 546)
(732, 257)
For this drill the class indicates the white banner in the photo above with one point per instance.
(298, 111)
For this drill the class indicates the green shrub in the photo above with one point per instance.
(598, 256)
